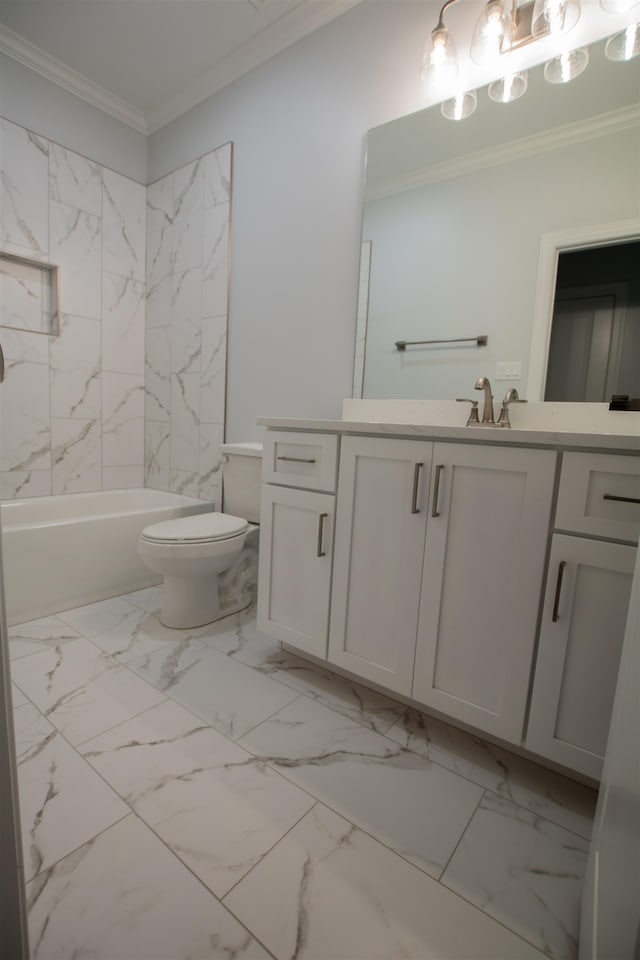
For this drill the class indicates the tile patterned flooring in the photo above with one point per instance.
(199, 795)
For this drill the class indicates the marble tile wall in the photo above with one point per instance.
(132, 391)
(72, 405)
(188, 214)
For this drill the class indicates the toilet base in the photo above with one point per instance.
(189, 603)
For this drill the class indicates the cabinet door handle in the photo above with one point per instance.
(436, 491)
(556, 601)
(612, 496)
(296, 459)
(321, 519)
(416, 479)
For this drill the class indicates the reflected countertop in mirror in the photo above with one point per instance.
(457, 215)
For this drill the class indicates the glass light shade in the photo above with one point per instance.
(552, 17)
(624, 45)
(617, 6)
(508, 88)
(493, 33)
(459, 107)
(567, 66)
(440, 60)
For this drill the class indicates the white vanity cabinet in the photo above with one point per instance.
(585, 609)
(379, 548)
(484, 560)
(296, 538)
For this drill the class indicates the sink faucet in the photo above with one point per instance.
(482, 383)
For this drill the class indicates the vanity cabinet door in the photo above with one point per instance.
(484, 561)
(380, 529)
(583, 623)
(294, 578)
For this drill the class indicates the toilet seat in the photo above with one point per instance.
(197, 528)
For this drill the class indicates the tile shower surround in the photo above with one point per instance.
(73, 407)
(207, 794)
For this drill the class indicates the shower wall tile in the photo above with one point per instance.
(122, 419)
(75, 246)
(75, 452)
(213, 369)
(186, 321)
(74, 180)
(159, 279)
(185, 422)
(157, 455)
(123, 226)
(25, 413)
(16, 484)
(122, 324)
(215, 259)
(157, 376)
(25, 346)
(21, 299)
(159, 205)
(188, 484)
(75, 369)
(188, 211)
(210, 469)
(123, 478)
(23, 189)
(217, 176)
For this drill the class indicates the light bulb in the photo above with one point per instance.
(459, 107)
(440, 61)
(624, 45)
(553, 17)
(567, 66)
(493, 33)
(508, 88)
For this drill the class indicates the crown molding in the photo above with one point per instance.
(606, 123)
(287, 30)
(70, 80)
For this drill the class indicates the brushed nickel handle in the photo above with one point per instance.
(556, 601)
(436, 491)
(1, 364)
(295, 459)
(321, 519)
(612, 496)
(416, 479)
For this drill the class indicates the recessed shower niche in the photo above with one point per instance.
(28, 294)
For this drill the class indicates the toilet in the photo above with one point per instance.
(200, 557)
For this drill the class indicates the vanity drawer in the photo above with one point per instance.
(306, 460)
(600, 495)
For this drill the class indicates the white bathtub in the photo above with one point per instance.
(65, 551)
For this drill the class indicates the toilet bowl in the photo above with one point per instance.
(200, 556)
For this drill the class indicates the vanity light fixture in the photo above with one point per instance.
(553, 17)
(508, 88)
(440, 59)
(493, 33)
(567, 66)
(461, 106)
(624, 45)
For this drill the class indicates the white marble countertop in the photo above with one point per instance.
(547, 425)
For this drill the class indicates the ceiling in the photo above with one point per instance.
(147, 61)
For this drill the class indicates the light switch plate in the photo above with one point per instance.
(508, 370)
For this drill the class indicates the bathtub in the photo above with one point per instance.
(65, 551)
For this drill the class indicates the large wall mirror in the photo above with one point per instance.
(464, 224)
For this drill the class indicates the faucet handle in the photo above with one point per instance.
(473, 413)
(511, 396)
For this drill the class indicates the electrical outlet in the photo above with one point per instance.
(508, 370)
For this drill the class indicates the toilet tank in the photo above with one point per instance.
(242, 473)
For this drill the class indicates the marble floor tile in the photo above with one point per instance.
(63, 803)
(97, 617)
(213, 804)
(244, 642)
(125, 896)
(524, 871)
(38, 635)
(150, 599)
(416, 807)
(542, 791)
(136, 635)
(81, 690)
(330, 891)
(17, 697)
(228, 695)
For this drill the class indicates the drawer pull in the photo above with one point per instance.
(612, 496)
(436, 491)
(416, 479)
(556, 602)
(296, 459)
(321, 519)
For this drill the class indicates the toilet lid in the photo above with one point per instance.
(197, 527)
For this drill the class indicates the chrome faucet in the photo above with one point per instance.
(482, 383)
